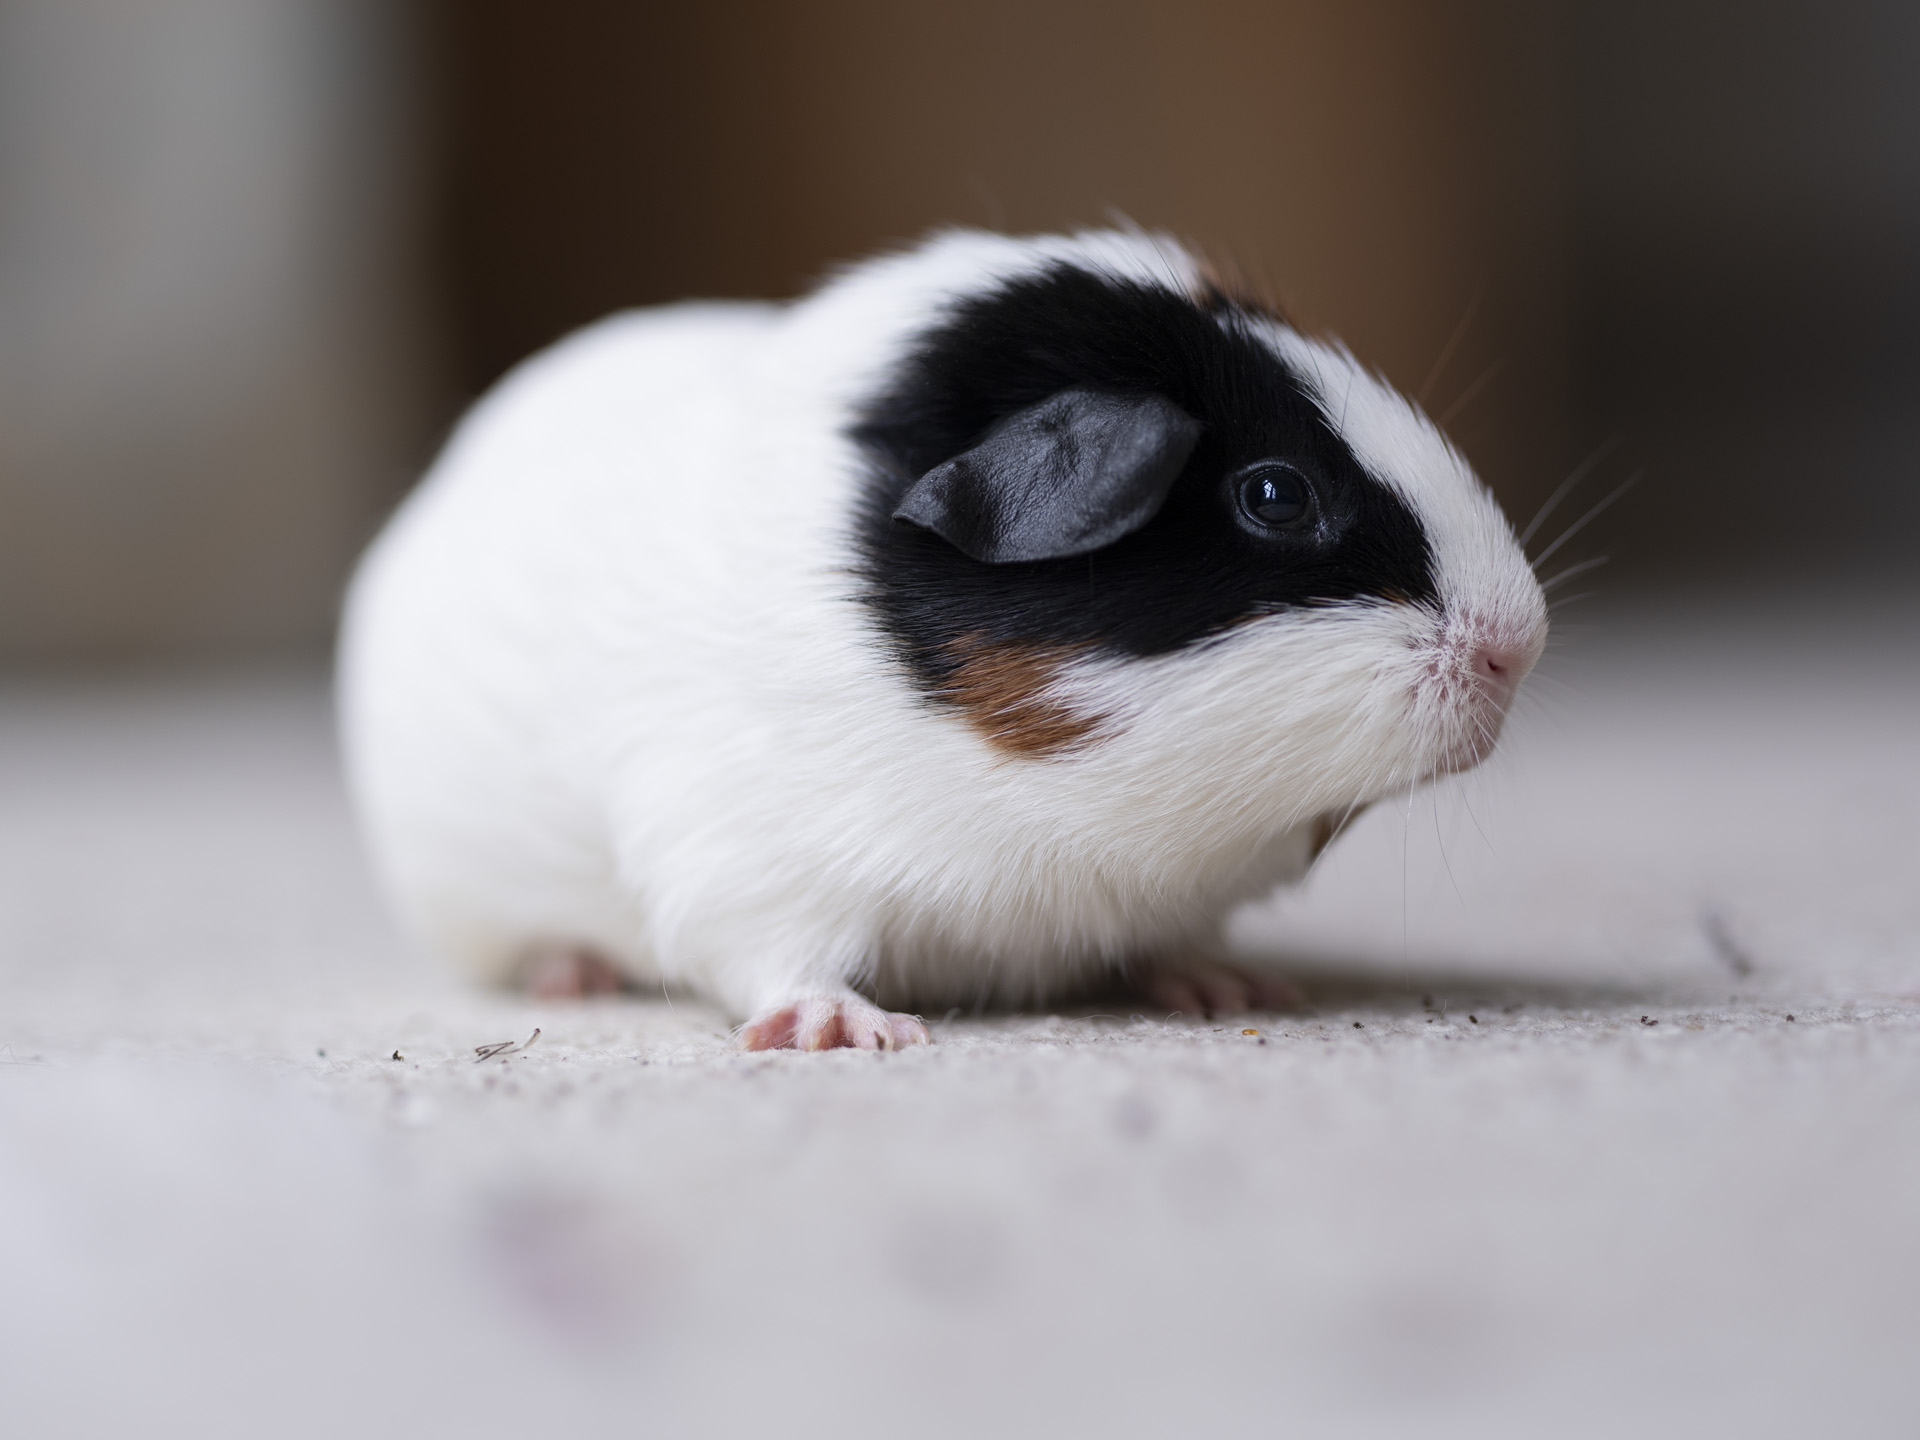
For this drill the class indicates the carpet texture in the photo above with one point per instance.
(1605, 1114)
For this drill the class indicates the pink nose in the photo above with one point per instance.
(1500, 667)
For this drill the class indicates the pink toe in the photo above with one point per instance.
(831, 1024)
(819, 1027)
(565, 973)
(772, 1031)
(908, 1030)
(600, 978)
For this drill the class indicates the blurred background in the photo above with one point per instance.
(256, 255)
(1606, 1113)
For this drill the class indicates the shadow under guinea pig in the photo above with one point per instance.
(1338, 986)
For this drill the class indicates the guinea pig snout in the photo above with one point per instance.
(1472, 673)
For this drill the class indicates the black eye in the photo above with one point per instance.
(1275, 496)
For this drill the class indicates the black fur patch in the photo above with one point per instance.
(1191, 572)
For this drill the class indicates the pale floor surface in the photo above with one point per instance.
(1606, 1117)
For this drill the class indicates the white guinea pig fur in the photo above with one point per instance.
(988, 623)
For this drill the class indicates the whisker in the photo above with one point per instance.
(1574, 632)
(1571, 571)
(1466, 801)
(1550, 683)
(1580, 472)
(1580, 524)
(1559, 684)
(1433, 800)
(1566, 600)
(1453, 344)
(990, 199)
(1467, 395)
(1406, 830)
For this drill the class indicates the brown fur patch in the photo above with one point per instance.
(1001, 691)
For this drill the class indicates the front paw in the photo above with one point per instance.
(1210, 987)
(829, 1022)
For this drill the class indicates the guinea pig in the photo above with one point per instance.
(988, 623)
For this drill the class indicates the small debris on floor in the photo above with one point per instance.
(500, 1049)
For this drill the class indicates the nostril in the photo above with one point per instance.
(1494, 664)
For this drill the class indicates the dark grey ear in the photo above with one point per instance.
(1073, 473)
